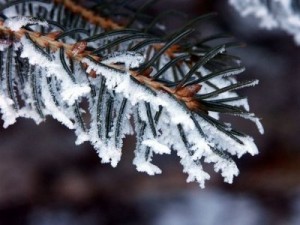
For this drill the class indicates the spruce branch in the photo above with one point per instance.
(77, 52)
(173, 90)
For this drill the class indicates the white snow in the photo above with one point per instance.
(16, 23)
(121, 83)
(130, 59)
(71, 94)
(8, 113)
(157, 147)
(145, 166)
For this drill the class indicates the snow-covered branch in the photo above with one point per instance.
(282, 14)
(173, 92)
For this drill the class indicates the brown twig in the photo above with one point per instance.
(90, 16)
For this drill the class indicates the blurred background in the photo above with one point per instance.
(46, 180)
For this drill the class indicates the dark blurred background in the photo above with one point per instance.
(46, 180)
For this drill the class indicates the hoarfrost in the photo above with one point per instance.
(16, 23)
(130, 59)
(73, 93)
(53, 66)
(145, 166)
(156, 146)
(272, 14)
(8, 114)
